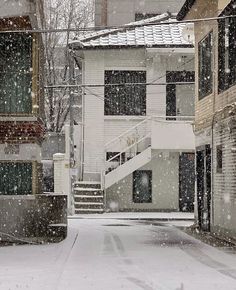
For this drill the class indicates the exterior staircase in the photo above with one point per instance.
(88, 197)
(134, 147)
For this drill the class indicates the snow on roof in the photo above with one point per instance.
(140, 33)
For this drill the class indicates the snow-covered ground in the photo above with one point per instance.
(140, 215)
(105, 254)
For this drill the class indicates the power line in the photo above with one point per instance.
(118, 85)
(99, 28)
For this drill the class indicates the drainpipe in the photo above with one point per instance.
(104, 15)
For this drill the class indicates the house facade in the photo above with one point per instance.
(215, 113)
(112, 12)
(137, 149)
(21, 98)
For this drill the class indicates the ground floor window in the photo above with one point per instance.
(142, 186)
(15, 178)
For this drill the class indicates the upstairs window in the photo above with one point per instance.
(205, 57)
(227, 51)
(179, 97)
(219, 158)
(125, 93)
(15, 73)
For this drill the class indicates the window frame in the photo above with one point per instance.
(14, 168)
(173, 77)
(202, 74)
(15, 101)
(226, 50)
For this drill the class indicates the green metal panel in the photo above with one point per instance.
(15, 73)
(15, 178)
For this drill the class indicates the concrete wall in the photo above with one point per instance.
(123, 11)
(165, 186)
(15, 8)
(33, 218)
(53, 143)
(28, 152)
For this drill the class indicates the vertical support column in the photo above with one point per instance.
(62, 180)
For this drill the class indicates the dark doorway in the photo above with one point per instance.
(203, 169)
(142, 186)
(186, 182)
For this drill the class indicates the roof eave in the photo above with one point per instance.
(185, 9)
(101, 47)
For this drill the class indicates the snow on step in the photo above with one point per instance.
(89, 203)
(87, 182)
(86, 189)
(88, 196)
(89, 209)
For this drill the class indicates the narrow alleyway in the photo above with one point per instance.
(105, 254)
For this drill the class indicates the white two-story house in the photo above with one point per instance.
(137, 145)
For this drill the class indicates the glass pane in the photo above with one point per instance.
(15, 73)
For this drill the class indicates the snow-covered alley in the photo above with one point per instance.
(104, 254)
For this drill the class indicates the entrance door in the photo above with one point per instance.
(142, 186)
(204, 187)
(186, 181)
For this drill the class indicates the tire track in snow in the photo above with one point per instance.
(206, 260)
(140, 283)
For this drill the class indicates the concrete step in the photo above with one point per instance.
(88, 205)
(88, 198)
(88, 192)
(88, 211)
(87, 184)
(86, 189)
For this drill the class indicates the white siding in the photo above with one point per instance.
(224, 191)
(94, 113)
(97, 131)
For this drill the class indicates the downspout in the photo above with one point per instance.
(80, 63)
(104, 16)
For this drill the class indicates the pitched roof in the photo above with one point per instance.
(145, 33)
(185, 9)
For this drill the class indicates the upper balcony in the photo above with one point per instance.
(174, 135)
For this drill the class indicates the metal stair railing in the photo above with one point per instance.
(136, 132)
(128, 153)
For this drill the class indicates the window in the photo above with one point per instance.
(142, 186)
(227, 51)
(219, 158)
(142, 16)
(125, 98)
(205, 66)
(15, 73)
(16, 178)
(179, 97)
